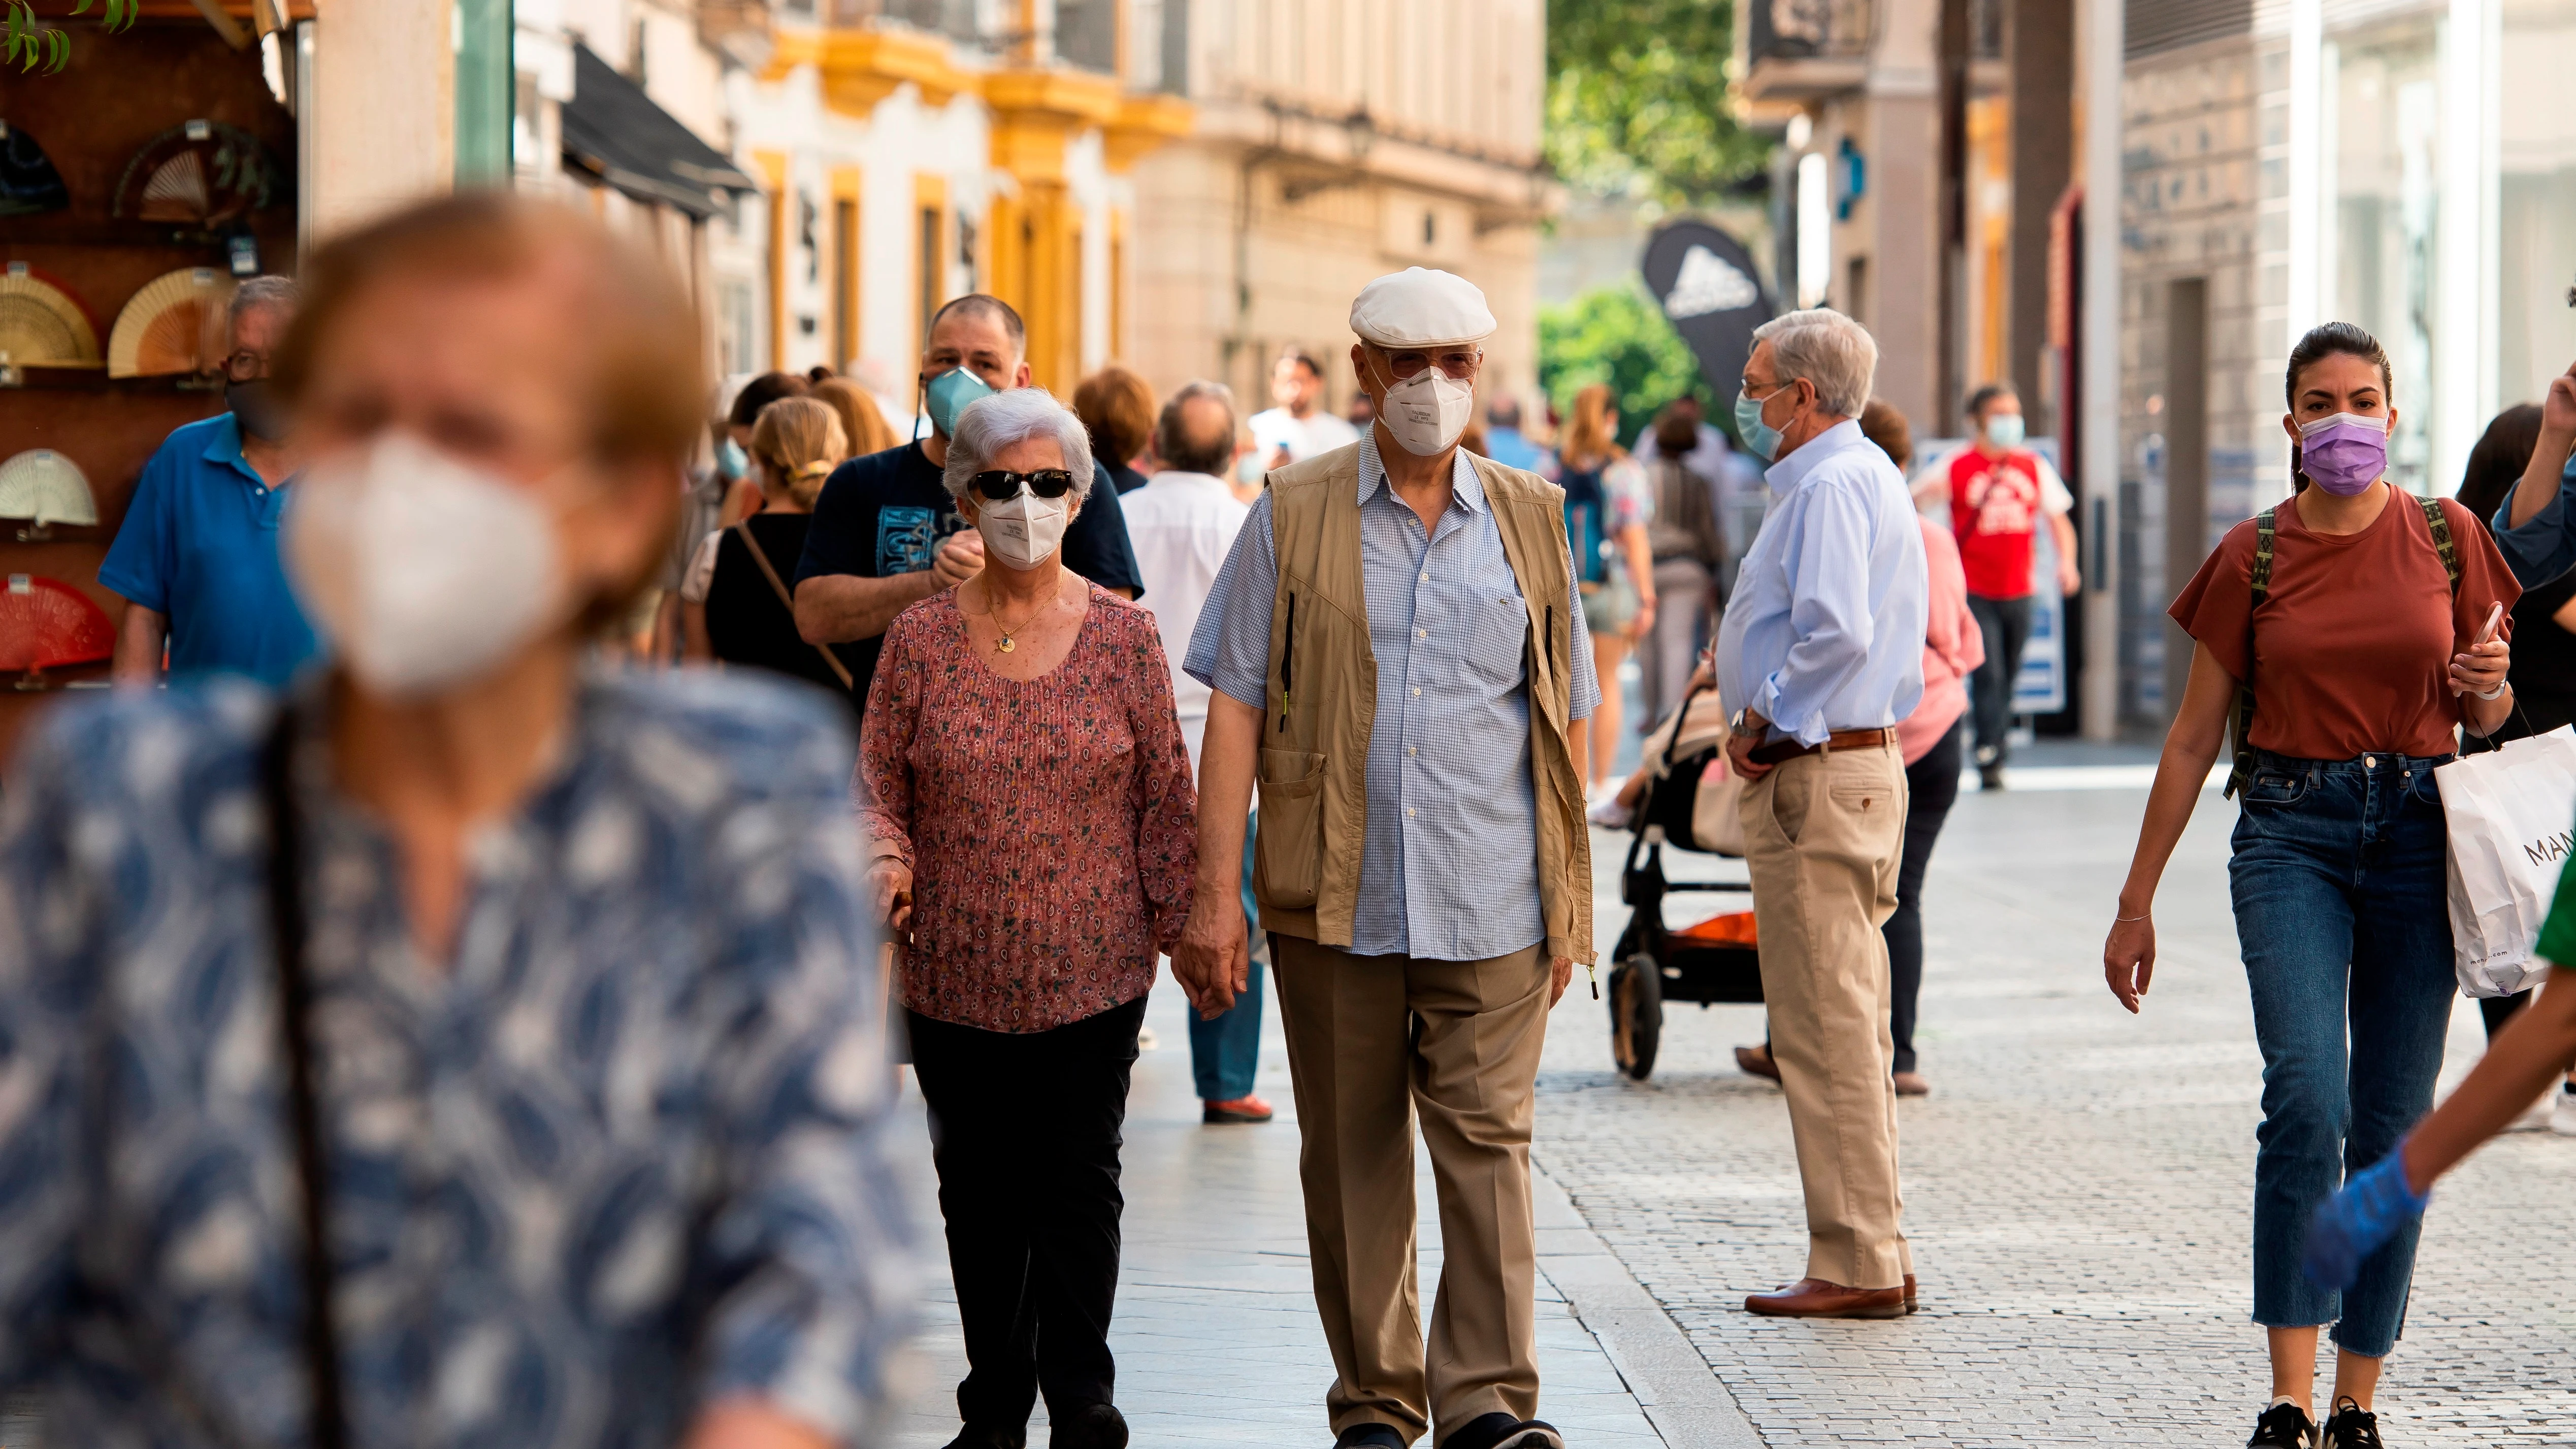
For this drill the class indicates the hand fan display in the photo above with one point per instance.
(174, 325)
(46, 623)
(28, 181)
(41, 323)
(202, 173)
(46, 488)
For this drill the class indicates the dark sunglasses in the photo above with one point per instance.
(999, 483)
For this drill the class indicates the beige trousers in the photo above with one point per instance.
(1371, 1041)
(1823, 834)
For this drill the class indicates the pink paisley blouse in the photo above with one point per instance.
(1049, 823)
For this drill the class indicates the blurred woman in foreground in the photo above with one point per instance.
(546, 995)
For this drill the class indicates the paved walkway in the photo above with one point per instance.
(2078, 1187)
(2078, 1192)
(1215, 1333)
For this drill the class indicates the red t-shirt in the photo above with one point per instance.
(2350, 653)
(1995, 510)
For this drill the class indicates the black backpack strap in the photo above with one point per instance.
(2240, 723)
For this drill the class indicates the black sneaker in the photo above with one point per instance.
(2351, 1427)
(1093, 1426)
(1369, 1436)
(2283, 1426)
(1502, 1431)
(1990, 777)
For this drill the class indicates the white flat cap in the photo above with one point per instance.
(1419, 307)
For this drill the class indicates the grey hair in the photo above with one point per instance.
(991, 424)
(260, 292)
(1829, 350)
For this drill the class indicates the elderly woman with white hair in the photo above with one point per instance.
(1027, 799)
(1821, 654)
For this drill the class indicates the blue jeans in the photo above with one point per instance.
(2340, 914)
(1226, 1053)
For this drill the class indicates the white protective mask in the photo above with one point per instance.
(1428, 411)
(1024, 530)
(420, 571)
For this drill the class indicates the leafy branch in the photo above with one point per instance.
(1638, 100)
(30, 43)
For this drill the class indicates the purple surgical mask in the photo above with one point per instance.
(2345, 453)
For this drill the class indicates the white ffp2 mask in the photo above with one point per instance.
(1428, 411)
(420, 571)
(1024, 530)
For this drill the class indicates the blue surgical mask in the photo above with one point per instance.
(1760, 438)
(948, 394)
(731, 462)
(2004, 430)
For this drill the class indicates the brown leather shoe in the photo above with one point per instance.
(1756, 1062)
(1909, 1292)
(1912, 1084)
(1816, 1298)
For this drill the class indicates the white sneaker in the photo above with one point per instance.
(1608, 813)
(2562, 1118)
(1145, 1040)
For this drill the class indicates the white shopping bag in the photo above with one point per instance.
(2509, 814)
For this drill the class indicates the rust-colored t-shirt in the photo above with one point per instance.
(2351, 650)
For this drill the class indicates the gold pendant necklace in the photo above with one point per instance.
(1006, 644)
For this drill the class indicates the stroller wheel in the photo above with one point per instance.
(1636, 1014)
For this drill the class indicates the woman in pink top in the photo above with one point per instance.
(1953, 647)
(1028, 810)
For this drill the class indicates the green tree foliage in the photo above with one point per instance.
(1637, 99)
(1617, 335)
(26, 42)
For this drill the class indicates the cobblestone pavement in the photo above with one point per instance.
(2078, 1186)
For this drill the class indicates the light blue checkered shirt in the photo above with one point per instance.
(1449, 871)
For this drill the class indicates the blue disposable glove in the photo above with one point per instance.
(2373, 1207)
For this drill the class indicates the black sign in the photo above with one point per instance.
(1705, 282)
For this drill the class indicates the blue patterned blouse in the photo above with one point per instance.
(625, 1157)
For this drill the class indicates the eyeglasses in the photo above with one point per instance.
(246, 366)
(999, 484)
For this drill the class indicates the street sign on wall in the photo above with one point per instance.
(1706, 283)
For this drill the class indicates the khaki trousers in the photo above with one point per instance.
(1824, 834)
(1371, 1040)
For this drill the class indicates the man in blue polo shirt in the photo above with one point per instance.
(196, 558)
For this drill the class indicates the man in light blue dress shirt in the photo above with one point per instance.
(1821, 652)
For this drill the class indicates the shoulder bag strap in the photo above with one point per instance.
(778, 586)
(330, 1425)
(2241, 721)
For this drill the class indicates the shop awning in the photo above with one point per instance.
(614, 131)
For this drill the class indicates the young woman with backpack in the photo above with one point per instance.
(2344, 635)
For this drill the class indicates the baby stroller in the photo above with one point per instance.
(1689, 804)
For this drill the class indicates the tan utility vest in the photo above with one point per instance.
(1322, 702)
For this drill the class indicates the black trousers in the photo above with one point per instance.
(1931, 788)
(1025, 1132)
(2006, 625)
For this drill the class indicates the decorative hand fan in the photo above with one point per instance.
(45, 623)
(203, 173)
(41, 323)
(28, 181)
(175, 324)
(48, 488)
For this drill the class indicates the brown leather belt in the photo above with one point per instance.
(1789, 749)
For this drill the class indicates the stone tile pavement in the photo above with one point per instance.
(2078, 1188)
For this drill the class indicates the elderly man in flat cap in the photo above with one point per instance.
(1398, 656)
